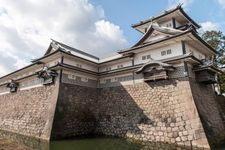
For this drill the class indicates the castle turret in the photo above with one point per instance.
(175, 18)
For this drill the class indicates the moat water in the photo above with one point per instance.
(107, 143)
(97, 143)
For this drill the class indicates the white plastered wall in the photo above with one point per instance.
(176, 50)
(114, 66)
(83, 64)
(196, 53)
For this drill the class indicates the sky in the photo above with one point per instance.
(99, 27)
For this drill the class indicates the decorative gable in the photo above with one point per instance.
(47, 75)
(156, 33)
(12, 85)
(155, 70)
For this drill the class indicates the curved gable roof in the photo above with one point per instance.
(166, 13)
(154, 63)
(162, 30)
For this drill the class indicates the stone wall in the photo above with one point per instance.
(156, 111)
(74, 112)
(29, 112)
(162, 111)
(220, 99)
(209, 111)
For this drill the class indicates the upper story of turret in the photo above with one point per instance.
(175, 18)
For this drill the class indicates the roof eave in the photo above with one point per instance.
(148, 44)
(189, 18)
(154, 18)
(177, 8)
(204, 42)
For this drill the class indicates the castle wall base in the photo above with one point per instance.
(169, 111)
(29, 112)
(161, 111)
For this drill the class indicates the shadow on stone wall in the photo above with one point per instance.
(220, 99)
(73, 114)
(161, 111)
(210, 112)
(118, 113)
(89, 111)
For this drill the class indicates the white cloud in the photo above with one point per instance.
(209, 26)
(27, 26)
(174, 3)
(20, 63)
(3, 70)
(222, 3)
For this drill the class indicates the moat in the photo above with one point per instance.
(91, 143)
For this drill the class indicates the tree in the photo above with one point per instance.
(216, 39)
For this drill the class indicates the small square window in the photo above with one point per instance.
(72, 76)
(143, 57)
(163, 53)
(119, 66)
(168, 25)
(168, 51)
(148, 56)
(108, 68)
(102, 81)
(114, 79)
(84, 79)
(79, 65)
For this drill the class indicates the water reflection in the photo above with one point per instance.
(93, 143)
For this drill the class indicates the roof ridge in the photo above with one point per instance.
(166, 12)
(160, 14)
(75, 49)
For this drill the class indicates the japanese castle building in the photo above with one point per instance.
(160, 89)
